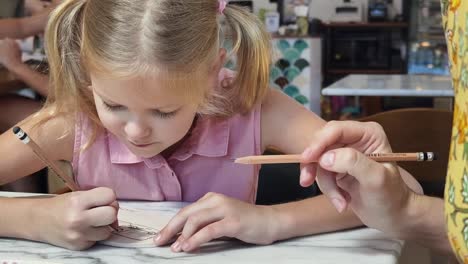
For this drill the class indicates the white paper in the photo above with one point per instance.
(137, 228)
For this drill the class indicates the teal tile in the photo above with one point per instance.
(283, 45)
(291, 73)
(301, 45)
(291, 90)
(275, 73)
(301, 64)
(301, 99)
(292, 55)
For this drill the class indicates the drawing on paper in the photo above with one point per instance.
(137, 228)
(135, 231)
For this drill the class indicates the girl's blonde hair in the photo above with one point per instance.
(180, 38)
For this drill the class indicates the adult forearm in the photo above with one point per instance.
(19, 28)
(11, 28)
(424, 223)
(36, 81)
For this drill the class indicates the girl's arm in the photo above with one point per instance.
(298, 127)
(55, 138)
(73, 220)
(297, 124)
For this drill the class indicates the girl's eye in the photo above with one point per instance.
(113, 107)
(164, 115)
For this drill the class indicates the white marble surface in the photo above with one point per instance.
(356, 246)
(391, 85)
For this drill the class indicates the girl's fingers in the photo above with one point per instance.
(176, 224)
(210, 232)
(199, 220)
(98, 233)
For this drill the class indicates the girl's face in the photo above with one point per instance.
(148, 118)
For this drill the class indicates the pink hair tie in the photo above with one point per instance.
(222, 6)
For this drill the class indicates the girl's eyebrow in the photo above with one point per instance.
(160, 109)
(104, 97)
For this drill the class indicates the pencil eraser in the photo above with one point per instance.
(16, 130)
(429, 156)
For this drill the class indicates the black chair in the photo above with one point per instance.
(420, 129)
(279, 183)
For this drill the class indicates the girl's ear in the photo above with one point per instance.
(222, 55)
(221, 60)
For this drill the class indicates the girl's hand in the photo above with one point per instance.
(77, 220)
(215, 216)
(10, 53)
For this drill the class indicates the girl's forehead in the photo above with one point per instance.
(146, 89)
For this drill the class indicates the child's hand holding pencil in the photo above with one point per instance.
(76, 220)
(73, 220)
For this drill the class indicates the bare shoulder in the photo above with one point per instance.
(55, 136)
(286, 125)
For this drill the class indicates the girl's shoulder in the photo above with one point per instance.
(55, 134)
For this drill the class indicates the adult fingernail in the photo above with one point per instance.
(306, 174)
(339, 205)
(306, 154)
(328, 159)
(303, 173)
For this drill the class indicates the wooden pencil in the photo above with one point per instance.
(23, 136)
(68, 180)
(297, 158)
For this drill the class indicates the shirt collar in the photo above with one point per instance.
(209, 138)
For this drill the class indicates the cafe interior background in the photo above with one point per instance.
(369, 60)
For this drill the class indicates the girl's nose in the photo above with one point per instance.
(137, 131)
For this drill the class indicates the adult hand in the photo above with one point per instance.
(376, 192)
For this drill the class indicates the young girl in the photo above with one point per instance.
(143, 109)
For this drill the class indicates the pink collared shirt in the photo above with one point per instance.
(202, 164)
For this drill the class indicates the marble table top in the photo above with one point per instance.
(391, 85)
(363, 245)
